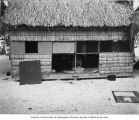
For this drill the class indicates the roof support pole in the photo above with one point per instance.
(0, 17)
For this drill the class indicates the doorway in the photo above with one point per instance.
(82, 56)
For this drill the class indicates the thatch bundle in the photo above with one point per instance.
(135, 18)
(84, 13)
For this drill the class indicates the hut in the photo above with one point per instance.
(82, 38)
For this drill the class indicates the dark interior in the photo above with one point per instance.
(136, 66)
(87, 46)
(105, 46)
(118, 46)
(88, 60)
(61, 62)
(31, 47)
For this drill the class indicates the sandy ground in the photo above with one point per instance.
(65, 97)
(4, 64)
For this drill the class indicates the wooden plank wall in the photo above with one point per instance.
(45, 61)
(115, 63)
(67, 36)
(108, 62)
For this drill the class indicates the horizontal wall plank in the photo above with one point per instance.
(42, 73)
(43, 63)
(42, 67)
(115, 54)
(104, 71)
(117, 59)
(115, 64)
(67, 38)
(117, 68)
(41, 60)
(67, 35)
(32, 56)
(116, 72)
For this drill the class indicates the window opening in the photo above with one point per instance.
(62, 62)
(31, 47)
(105, 46)
(87, 47)
(84, 59)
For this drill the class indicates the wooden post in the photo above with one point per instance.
(0, 17)
(132, 38)
(132, 30)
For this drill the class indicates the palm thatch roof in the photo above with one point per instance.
(135, 18)
(84, 13)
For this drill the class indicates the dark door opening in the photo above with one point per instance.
(61, 62)
(84, 58)
(66, 62)
(88, 60)
(136, 66)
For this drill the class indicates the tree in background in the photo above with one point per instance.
(3, 28)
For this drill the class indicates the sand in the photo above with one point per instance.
(93, 96)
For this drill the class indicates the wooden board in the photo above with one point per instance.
(30, 72)
(67, 76)
(45, 47)
(63, 47)
(17, 47)
(67, 36)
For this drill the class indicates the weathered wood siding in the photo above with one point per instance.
(17, 47)
(63, 47)
(45, 47)
(63, 42)
(45, 61)
(115, 63)
(67, 36)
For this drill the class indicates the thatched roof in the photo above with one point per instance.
(135, 18)
(85, 13)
